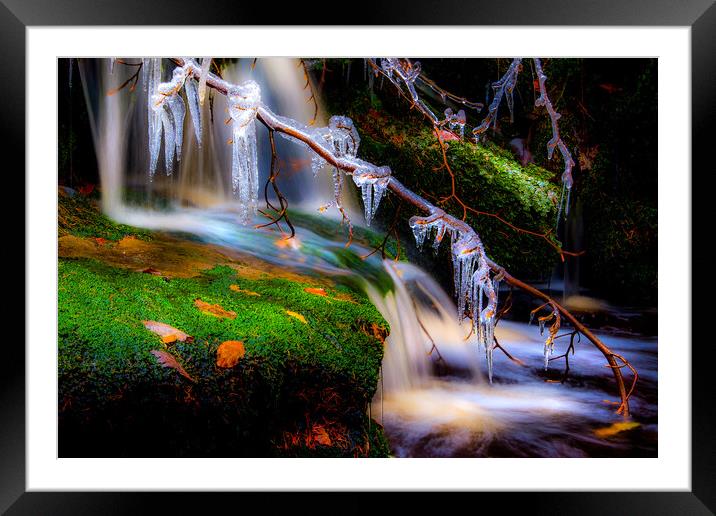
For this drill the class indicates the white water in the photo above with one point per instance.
(452, 414)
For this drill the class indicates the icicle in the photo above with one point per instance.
(463, 258)
(420, 230)
(561, 203)
(373, 181)
(111, 64)
(176, 105)
(169, 141)
(194, 108)
(167, 116)
(423, 227)
(343, 136)
(155, 135)
(244, 101)
(548, 350)
(154, 119)
(145, 73)
(70, 73)
(205, 65)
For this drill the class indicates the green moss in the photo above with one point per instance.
(112, 388)
(80, 216)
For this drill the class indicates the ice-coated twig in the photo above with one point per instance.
(503, 88)
(401, 71)
(556, 319)
(556, 141)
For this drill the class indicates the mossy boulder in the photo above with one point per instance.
(313, 350)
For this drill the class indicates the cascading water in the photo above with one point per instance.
(434, 399)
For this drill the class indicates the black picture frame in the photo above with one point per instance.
(700, 15)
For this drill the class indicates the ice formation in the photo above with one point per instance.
(166, 117)
(192, 98)
(373, 181)
(475, 290)
(205, 64)
(244, 101)
(340, 140)
(456, 120)
(556, 141)
(402, 71)
(503, 88)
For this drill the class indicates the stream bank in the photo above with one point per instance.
(311, 349)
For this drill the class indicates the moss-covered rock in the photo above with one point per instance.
(312, 355)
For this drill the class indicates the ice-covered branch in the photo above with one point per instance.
(476, 276)
(505, 87)
(556, 141)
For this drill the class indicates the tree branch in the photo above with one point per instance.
(468, 237)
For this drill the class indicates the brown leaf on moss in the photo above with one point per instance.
(240, 290)
(298, 316)
(376, 331)
(166, 332)
(316, 291)
(215, 310)
(229, 353)
(168, 360)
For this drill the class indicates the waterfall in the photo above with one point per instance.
(203, 176)
(436, 401)
(421, 314)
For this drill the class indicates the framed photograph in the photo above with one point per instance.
(297, 262)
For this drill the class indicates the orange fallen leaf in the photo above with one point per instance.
(168, 360)
(297, 316)
(237, 288)
(316, 291)
(215, 310)
(229, 353)
(166, 332)
(100, 240)
(614, 429)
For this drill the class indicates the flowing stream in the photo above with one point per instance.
(433, 398)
